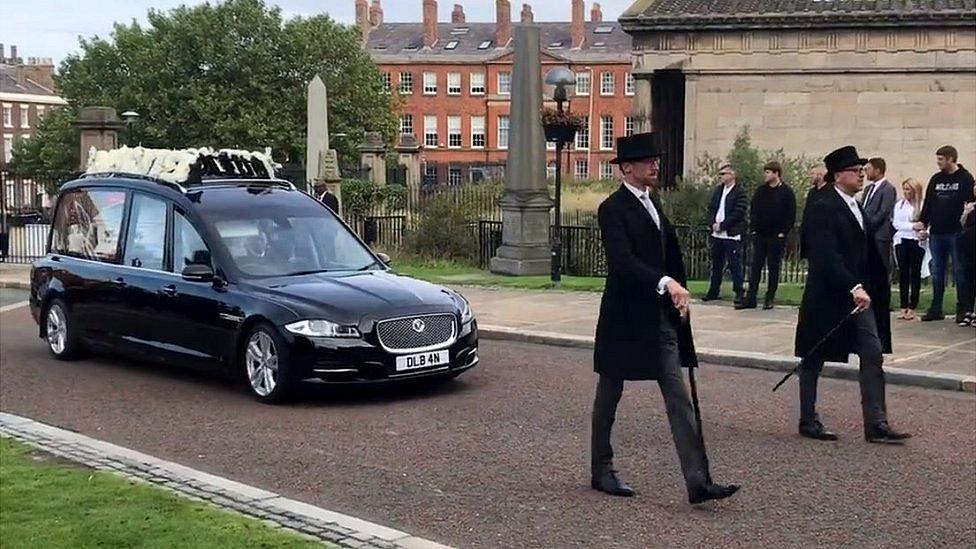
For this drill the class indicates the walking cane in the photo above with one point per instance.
(685, 318)
(816, 348)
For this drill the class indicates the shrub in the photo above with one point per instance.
(445, 228)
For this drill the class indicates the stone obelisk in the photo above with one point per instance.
(526, 203)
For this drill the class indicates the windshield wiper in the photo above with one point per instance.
(313, 271)
(366, 268)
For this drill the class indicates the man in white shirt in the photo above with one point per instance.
(727, 212)
(843, 276)
(643, 332)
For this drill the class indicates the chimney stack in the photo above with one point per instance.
(362, 19)
(376, 13)
(503, 22)
(576, 24)
(527, 15)
(457, 16)
(596, 14)
(430, 23)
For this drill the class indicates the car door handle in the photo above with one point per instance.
(169, 290)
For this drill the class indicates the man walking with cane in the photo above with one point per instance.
(835, 316)
(641, 334)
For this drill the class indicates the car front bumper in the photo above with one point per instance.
(363, 361)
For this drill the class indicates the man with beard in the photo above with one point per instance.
(844, 267)
(642, 332)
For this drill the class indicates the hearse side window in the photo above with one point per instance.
(88, 224)
(188, 246)
(146, 238)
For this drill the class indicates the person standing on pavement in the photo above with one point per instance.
(844, 268)
(908, 249)
(878, 203)
(817, 188)
(640, 333)
(773, 213)
(947, 193)
(727, 211)
(969, 261)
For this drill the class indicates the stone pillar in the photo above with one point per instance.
(372, 157)
(526, 203)
(317, 134)
(408, 153)
(99, 128)
(642, 102)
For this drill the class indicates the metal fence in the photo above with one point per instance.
(24, 215)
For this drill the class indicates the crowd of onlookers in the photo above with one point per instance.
(916, 230)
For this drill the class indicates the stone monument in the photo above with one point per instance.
(99, 128)
(321, 163)
(526, 203)
(373, 156)
(408, 154)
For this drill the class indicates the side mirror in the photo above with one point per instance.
(198, 272)
(384, 258)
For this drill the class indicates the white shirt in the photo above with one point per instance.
(645, 198)
(902, 221)
(852, 204)
(720, 216)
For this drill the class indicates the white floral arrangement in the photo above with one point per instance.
(167, 164)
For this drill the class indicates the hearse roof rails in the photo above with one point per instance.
(139, 176)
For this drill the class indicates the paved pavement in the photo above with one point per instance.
(937, 347)
(498, 458)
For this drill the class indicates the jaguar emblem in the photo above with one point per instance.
(419, 326)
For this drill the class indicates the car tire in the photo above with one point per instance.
(60, 334)
(266, 365)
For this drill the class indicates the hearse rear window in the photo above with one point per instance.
(88, 224)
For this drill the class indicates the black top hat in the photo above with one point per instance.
(638, 147)
(844, 157)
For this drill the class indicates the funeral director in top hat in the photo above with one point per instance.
(845, 271)
(640, 334)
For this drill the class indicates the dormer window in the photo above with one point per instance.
(451, 45)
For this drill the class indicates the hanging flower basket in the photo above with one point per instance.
(560, 127)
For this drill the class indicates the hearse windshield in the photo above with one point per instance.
(276, 232)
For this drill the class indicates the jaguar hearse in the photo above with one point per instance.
(204, 257)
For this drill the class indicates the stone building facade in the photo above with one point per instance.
(895, 78)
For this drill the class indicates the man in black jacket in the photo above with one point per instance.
(818, 186)
(727, 212)
(844, 269)
(640, 334)
(948, 191)
(773, 214)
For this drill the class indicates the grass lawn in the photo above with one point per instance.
(49, 502)
(444, 272)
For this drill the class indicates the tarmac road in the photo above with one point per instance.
(498, 458)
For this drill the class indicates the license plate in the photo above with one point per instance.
(422, 360)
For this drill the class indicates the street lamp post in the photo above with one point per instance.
(559, 78)
(130, 118)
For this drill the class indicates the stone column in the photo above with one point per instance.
(99, 128)
(408, 153)
(525, 248)
(642, 103)
(317, 135)
(372, 157)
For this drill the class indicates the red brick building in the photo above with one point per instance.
(454, 81)
(26, 95)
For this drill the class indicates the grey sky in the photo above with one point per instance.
(50, 28)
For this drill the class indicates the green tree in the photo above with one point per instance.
(52, 155)
(231, 74)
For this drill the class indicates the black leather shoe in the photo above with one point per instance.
(608, 483)
(933, 315)
(768, 305)
(747, 303)
(816, 431)
(711, 491)
(885, 435)
(706, 298)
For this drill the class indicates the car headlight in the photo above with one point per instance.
(467, 315)
(321, 328)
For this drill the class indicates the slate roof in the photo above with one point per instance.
(403, 42)
(756, 14)
(8, 83)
